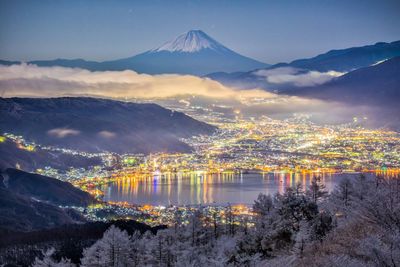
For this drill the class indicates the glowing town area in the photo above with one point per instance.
(294, 147)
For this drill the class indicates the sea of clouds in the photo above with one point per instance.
(27, 80)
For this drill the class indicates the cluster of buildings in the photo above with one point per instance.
(167, 215)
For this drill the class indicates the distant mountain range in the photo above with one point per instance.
(30, 201)
(375, 85)
(193, 52)
(343, 60)
(90, 124)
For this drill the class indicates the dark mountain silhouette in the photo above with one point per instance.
(91, 124)
(45, 189)
(68, 63)
(374, 85)
(342, 60)
(8, 63)
(21, 213)
(31, 201)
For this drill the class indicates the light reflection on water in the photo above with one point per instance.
(194, 188)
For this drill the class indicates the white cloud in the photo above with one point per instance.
(107, 134)
(63, 132)
(297, 77)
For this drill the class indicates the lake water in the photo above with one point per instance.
(184, 189)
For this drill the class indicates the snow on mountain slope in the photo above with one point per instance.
(191, 41)
(193, 52)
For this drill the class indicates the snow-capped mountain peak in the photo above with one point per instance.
(191, 41)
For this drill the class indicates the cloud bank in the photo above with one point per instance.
(27, 80)
(34, 81)
(297, 77)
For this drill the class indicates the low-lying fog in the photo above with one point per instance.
(27, 80)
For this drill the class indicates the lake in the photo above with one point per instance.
(196, 188)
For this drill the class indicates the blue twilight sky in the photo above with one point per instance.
(270, 31)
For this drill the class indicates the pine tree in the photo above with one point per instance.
(316, 190)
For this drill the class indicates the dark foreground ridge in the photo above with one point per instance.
(31, 201)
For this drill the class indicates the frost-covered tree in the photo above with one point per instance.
(137, 250)
(230, 219)
(294, 206)
(113, 250)
(316, 191)
(361, 186)
(321, 225)
(146, 247)
(344, 192)
(341, 199)
(178, 219)
(195, 227)
(263, 204)
(49, 261)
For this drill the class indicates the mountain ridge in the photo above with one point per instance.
(353, 57)
(376, 87)
(46, 189)
(340, 60)
(377, 84)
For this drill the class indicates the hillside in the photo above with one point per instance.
(91, 124)
(31, 201)
(45, 189)
(21, 213)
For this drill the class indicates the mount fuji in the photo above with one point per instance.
(193, 52)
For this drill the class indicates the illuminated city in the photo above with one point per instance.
(293, 149)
